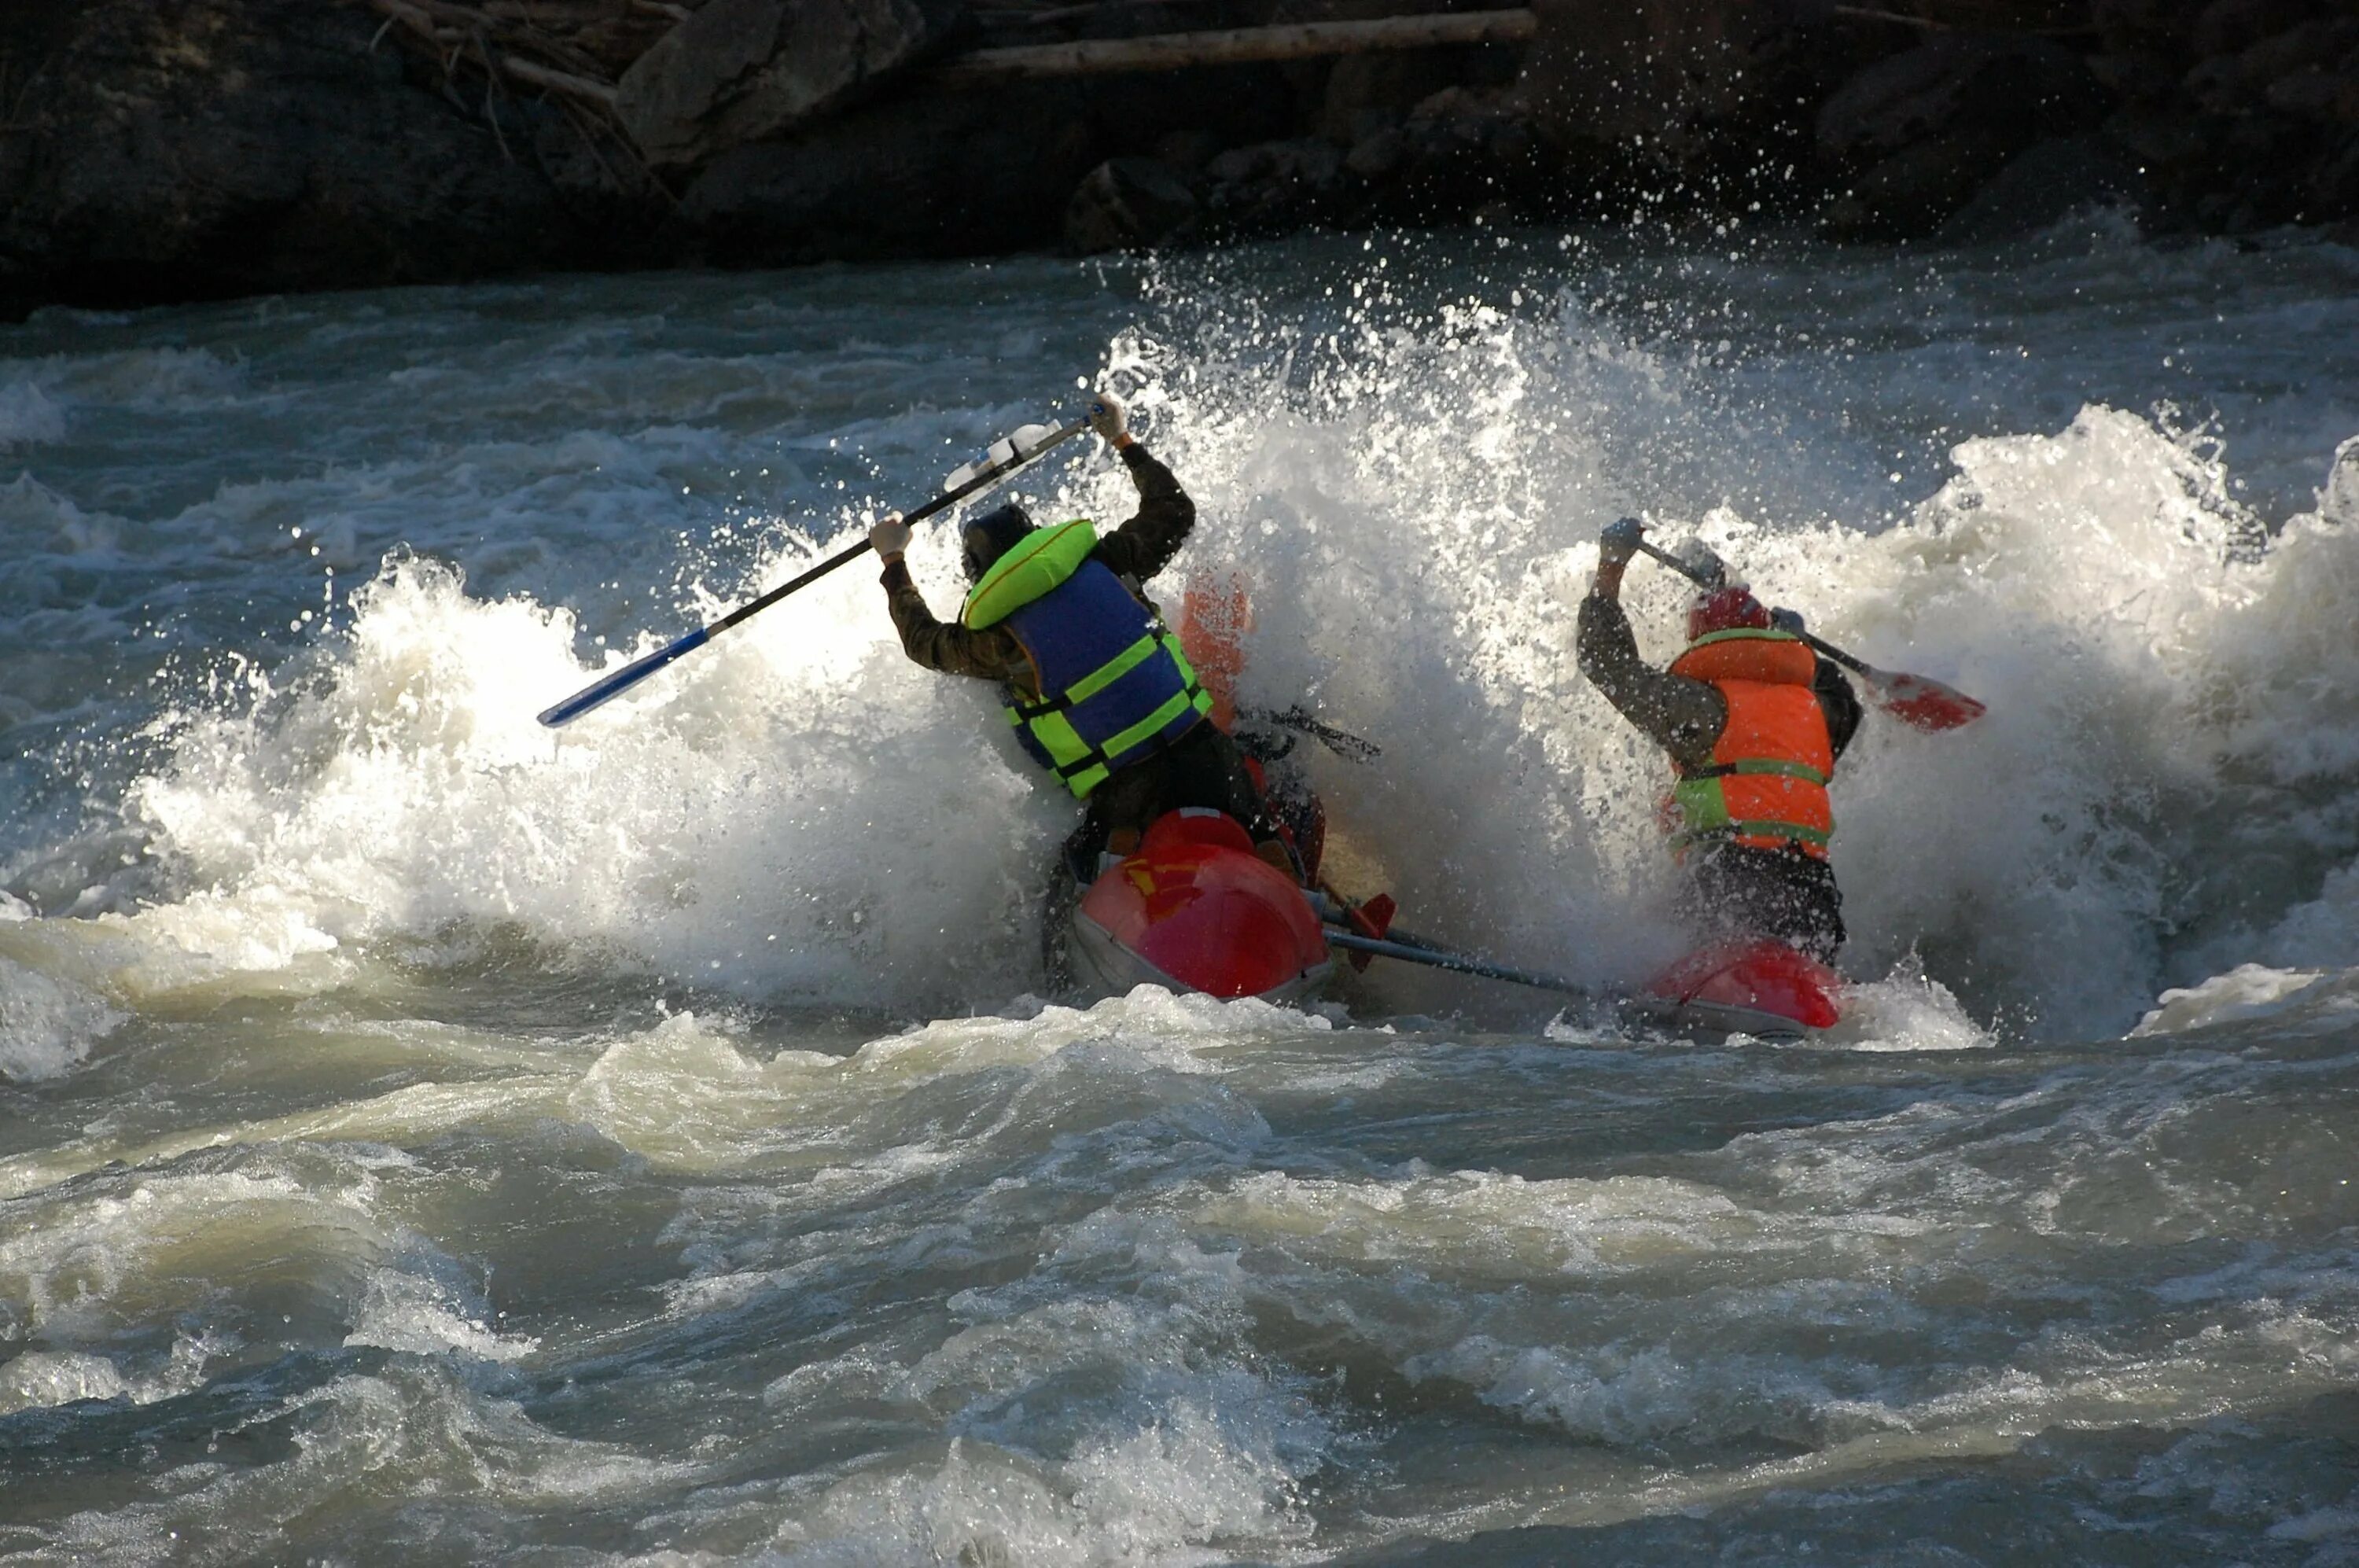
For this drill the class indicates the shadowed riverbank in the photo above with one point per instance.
(208, 148)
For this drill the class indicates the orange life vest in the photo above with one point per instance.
(1767, 785)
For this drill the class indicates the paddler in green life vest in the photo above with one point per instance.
(1099, 692)
(1754, 721)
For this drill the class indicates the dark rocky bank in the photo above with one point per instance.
(164, 151)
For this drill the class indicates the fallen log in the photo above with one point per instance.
(1233, 46)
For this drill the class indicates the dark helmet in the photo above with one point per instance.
(1726, 609)
(993, 534)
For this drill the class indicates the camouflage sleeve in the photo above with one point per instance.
(991, 654)
(1682, 716)
(1144, 545)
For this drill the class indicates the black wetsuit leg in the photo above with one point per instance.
(1735, 892)
(1203, 767)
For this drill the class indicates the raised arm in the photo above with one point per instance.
(1682, 716)
(991, 654)
(1145, 544)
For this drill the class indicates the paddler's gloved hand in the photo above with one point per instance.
(889, 538)
(1786, 621)
(1110, 419)
(1618, 541)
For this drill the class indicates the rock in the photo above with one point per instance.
(211, 147)
(2131, 26)
(1909, 194)
(1239, 165)
(2216, 86)
(2009, 90)
(1512, 142)
(1308, 161)
(2042, 187)
(1894, 101)
(740, 70)
(2335, 188)
(1604, 72)
(1127, 203)
(2311, 94)
(2158, 138)
(1366, 87)
(1456, 152)
(1377, 155)
(2232, 27)
(937, 175)
(2311, 46)
(1925, 128)
(2134, 76)
(1188, 150)
(1276, 185)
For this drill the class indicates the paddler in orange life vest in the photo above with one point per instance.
(1099, 692)
(1754, 721)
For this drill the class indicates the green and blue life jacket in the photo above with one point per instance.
(1115, 687)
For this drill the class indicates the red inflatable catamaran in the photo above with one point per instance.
(1195, 909)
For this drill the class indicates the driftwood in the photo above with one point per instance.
(2037, 18)
(459, 33)
(1233, 46)
(599, 92)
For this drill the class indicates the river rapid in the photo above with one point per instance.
(429, 1138)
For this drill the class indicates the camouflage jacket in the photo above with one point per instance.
(1135, 551)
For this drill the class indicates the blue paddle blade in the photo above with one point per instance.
(623, 679)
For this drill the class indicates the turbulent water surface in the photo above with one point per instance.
(426, 1136)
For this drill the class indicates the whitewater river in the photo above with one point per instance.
(427, 1137)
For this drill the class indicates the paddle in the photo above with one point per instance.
(1343, 743)
(1915, 699)
(1456, 962)
(1298, 721)
(607, 688)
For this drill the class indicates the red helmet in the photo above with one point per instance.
(1724, 610)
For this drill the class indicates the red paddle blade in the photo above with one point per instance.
(1371, 918)
(1923, 702)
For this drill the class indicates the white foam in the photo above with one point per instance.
(416, 1428)
(40, 1377)
(2248, 991)
(425, 1313)
(43, 1378)
(1624, 1395)
(28, 417)
(1487, 1223)
(2318, 1524)
(47, 1024)
(1191, 1476)
(194, 380)
(729, 826)
(97, 1258)
(1907, 1011)
(796, 811)
(2338, 498)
